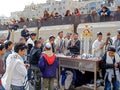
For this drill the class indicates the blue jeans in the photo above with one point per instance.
(17, 87)
(2, 88)
(114, 83)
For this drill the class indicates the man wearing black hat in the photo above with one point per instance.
(111, 63)
(97, 47)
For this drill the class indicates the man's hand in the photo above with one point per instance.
(27, 66)
(116, 65)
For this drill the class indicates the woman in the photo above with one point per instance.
(76, 12)
(68, 13)
(16, 72)
(46, 15)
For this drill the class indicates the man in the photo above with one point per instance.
(111, 63)
(35, 55)
(59, 42)
(108, 41)
(2, 69)
(52, 42)
(97, 47)
(9, 47)
(116, 40)
(25, 32)
(74, 45)
(117, 14)
(67, 40)
(30, 42)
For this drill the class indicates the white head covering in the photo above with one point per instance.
(48, 45)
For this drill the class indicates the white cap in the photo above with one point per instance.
(48, 45)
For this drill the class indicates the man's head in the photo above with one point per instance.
(8, 45)
(22, 40)
(104, 8)
(111, 51)
(20, 48)
(99, 36)
(33, 36)
(25, 27)
(48, 47)
(60, 34)
(118, 34)
(37, 43)
(118, 8)
(75, 36)
(68, 35)
(51, 39)
(2, 49)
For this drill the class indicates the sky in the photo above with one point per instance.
(8, 6)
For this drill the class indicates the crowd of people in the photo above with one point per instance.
(17, 60)
(105, 14)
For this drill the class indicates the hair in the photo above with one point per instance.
(8, 43)
(118, 7)
(22, 38)
(104, 7)
(19, 46)
(60, 32)
(51, 37)
(75, 33)
(2, 46)
(37, 42)
(32, 34)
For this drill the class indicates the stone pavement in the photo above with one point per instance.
(78, 88)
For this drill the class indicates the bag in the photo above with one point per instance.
(26, 84)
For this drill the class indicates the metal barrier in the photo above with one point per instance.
(87, 18)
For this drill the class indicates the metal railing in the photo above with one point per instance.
(87, 18)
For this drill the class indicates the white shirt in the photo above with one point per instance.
(30, 41)
(96, 51)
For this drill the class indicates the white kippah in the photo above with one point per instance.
(48, 45)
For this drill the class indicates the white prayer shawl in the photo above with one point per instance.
(110, 72)
(11, 63)
(59, 43)
(30, 41)
(96, 51)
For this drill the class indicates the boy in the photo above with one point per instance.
(48, 65)
(111, 62)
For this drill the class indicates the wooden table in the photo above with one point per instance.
(79, 64)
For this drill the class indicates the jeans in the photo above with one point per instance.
(2, 88)
(114, 83)
(17, 87)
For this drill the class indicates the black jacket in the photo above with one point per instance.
(74, 49)
(35, 55)
(25, 34)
